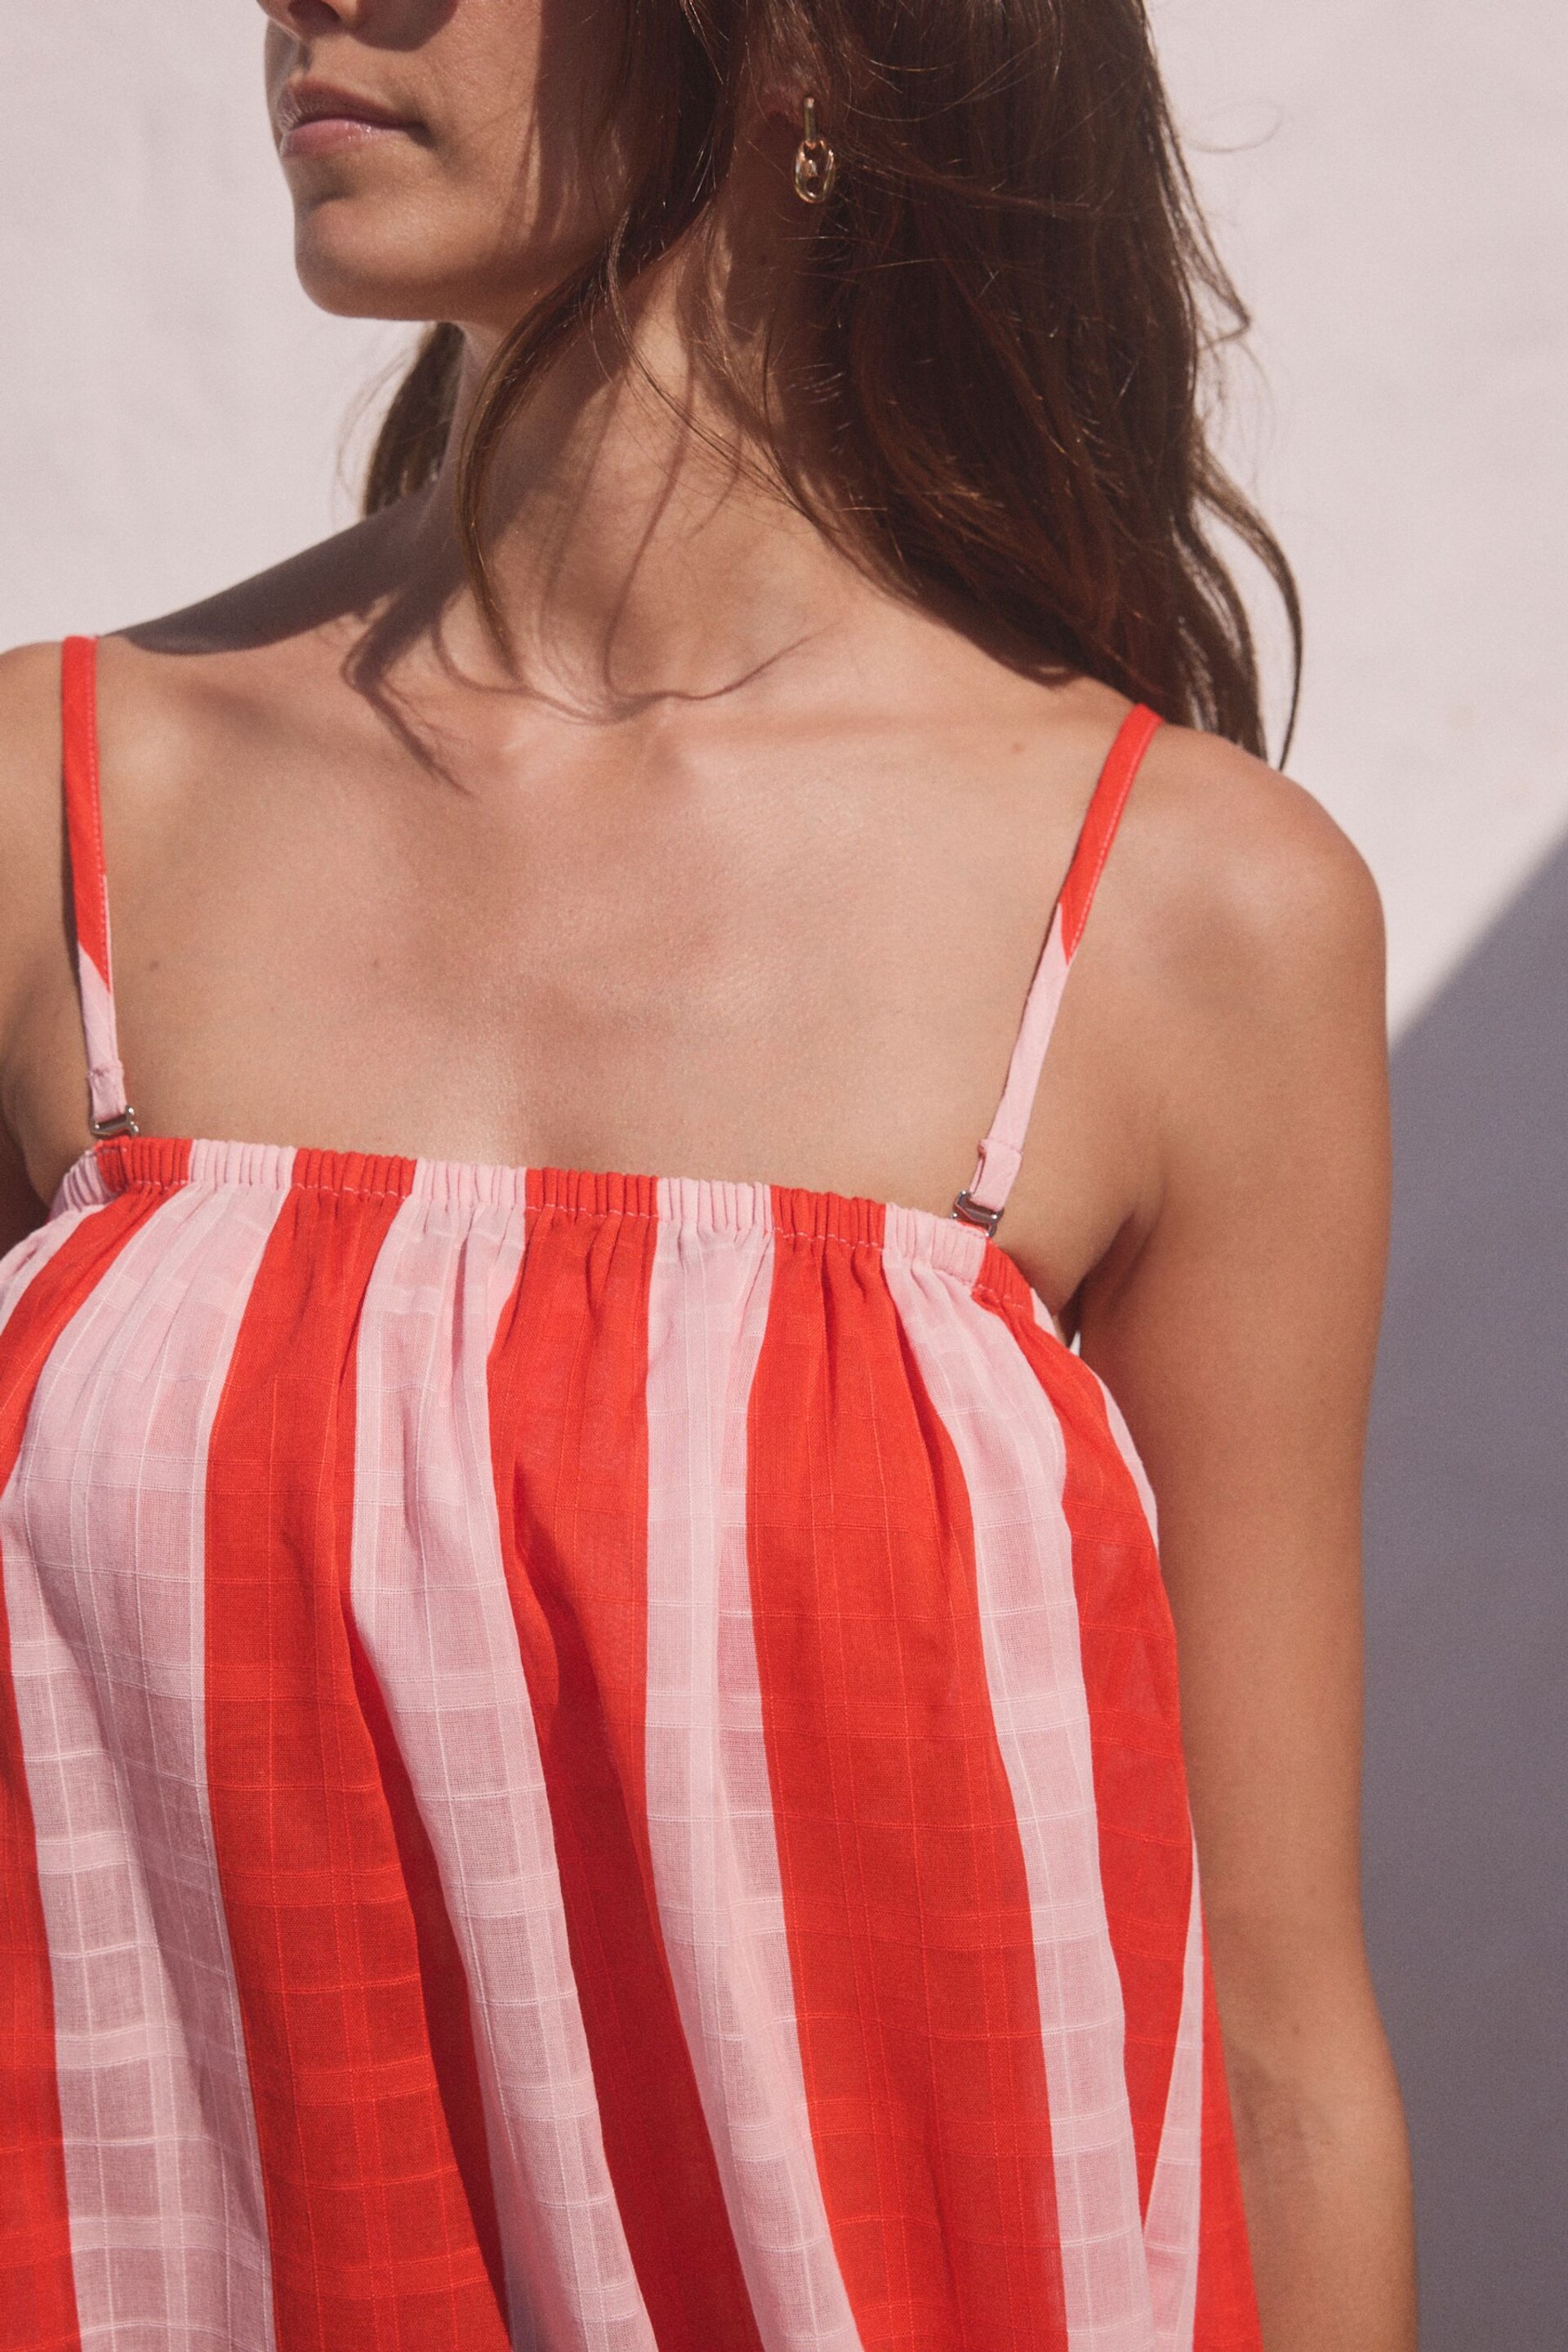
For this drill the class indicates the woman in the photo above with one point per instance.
(594, 1760)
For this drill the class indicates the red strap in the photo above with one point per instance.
(1139, 730)
(84, 815)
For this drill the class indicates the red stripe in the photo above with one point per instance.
(145, 1163)
(569, 1435)
(84, 819)
(1138, 731)
(373, 2238)
(443, 1978)
(905, 1893)
(1227, 2319)
(1129, 1651)
(37, 2289)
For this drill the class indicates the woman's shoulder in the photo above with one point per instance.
(1218, 854)
(1232, 986)
(248, 631)
(1240, 885)
(155, 697)
(161, 677)
(29, 722)
(1224, 873)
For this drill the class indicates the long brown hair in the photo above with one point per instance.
(1014, 305)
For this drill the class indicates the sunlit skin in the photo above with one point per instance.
(740, 868)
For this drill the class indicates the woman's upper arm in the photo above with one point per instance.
(32, 920)
(1238, 1334)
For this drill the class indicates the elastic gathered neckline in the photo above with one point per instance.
(698, 1204)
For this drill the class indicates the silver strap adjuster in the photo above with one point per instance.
(969, 1212)
(108, 1130)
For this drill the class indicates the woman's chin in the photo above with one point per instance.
(348, 276)
(350, 270)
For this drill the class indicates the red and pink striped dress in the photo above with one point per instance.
(584, 1761)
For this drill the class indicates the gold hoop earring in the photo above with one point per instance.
(816, 164)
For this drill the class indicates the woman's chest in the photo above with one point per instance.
(820, 988)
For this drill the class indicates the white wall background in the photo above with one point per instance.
(1388, 182)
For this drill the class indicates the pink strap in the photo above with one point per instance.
(110, 1113)
(1002, 1153)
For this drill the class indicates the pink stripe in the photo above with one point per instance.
(81, 1187)
(1172, 2222)
(1012, 1453)
(1171, 2225)
(710, 1822)
(101, 1533)
(432, 1608)
(38, 2282)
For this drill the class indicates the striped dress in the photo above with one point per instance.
(586, 1761)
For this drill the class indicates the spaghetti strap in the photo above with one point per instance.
(985, 1196)
(110, 1114)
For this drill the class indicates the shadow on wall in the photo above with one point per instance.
(1467, 1829)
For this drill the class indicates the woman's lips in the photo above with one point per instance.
(324, 134)
(322, 122)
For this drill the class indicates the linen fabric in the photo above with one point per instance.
(586, 1761)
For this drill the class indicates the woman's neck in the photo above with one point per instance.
(638, 543)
